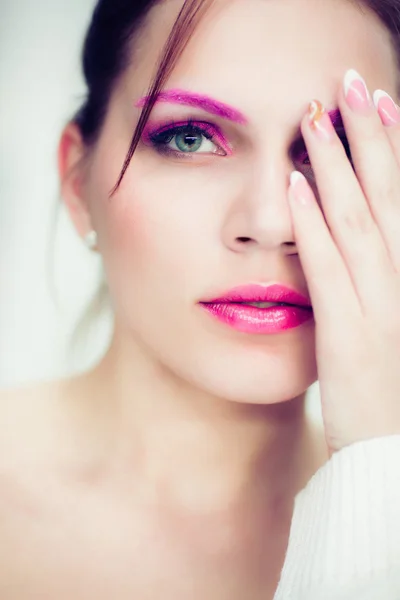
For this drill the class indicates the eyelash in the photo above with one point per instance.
(160, 138)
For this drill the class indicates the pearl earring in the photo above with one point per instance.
(91, 240)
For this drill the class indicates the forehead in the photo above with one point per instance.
(255, 52)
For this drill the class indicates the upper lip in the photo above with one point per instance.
(276, 293)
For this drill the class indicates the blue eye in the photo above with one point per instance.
(188, 139)
(184, 139)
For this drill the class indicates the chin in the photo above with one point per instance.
(268, 387)
(266, 373)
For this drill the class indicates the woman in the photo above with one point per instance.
(183, 465)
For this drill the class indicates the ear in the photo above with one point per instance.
(71, 151)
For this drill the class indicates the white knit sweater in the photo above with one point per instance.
(345, 535)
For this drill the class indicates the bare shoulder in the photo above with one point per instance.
(37, 423)
(21, 408)
(21, 395)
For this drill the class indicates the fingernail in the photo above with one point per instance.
(356, 92)
(300, 191)
(388, 110)
(320, 121)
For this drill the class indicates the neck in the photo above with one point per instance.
(203, 452)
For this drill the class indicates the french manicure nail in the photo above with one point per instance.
(356, 92)
(388, 110)
(300, 190)
(320, 121)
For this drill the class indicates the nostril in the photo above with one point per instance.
(243, 239)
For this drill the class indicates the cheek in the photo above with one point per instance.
(128, 223)
(163, 225)
(152, 232)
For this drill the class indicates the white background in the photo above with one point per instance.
(40, 88)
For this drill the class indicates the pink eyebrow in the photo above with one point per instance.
(206, 103)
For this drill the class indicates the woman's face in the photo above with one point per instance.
(172, 235)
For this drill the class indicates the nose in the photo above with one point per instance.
(258, 217)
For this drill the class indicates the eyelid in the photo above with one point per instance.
(206, 127)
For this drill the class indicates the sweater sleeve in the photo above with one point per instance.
(344, 540)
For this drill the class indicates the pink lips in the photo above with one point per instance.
(230, 310)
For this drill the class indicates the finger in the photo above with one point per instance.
(328, 279)
(389, 113)
(375, 162)
(346, 209)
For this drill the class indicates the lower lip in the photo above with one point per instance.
(250, 319)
